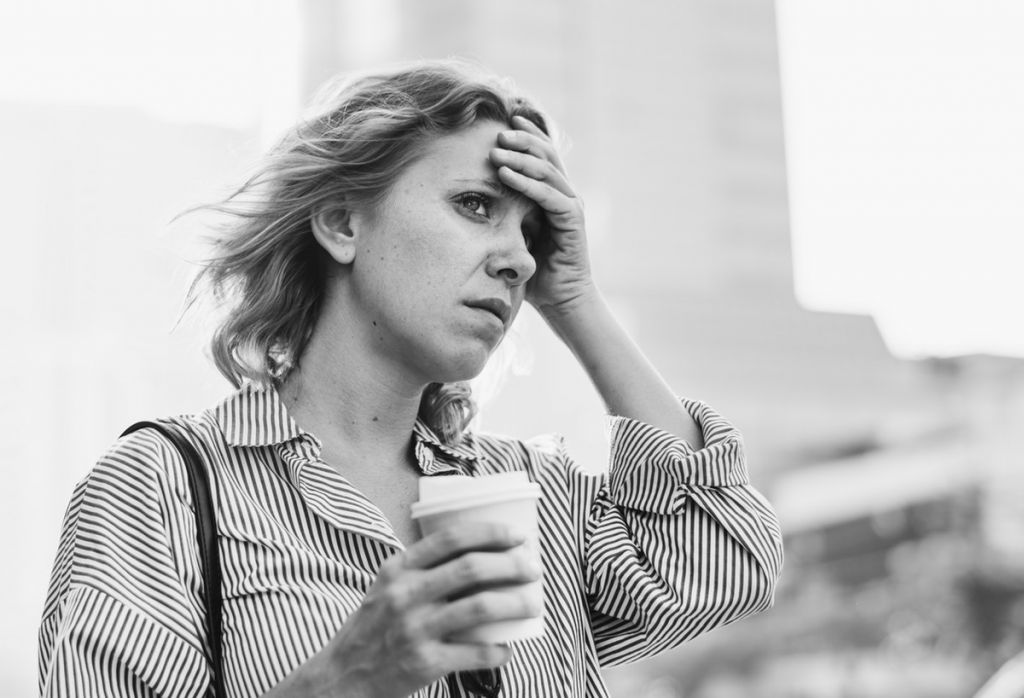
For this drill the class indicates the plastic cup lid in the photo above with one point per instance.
(439, 494)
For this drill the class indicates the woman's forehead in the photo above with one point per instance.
(461, 159)
(459, 155)
(472, 142)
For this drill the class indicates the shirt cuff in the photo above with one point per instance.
(652, 470)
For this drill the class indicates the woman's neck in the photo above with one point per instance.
(357, 408)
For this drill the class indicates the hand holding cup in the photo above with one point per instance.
(505, 499)
(423, 616)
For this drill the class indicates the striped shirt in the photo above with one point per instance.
(667, 544)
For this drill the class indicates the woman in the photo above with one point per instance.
(375, 262)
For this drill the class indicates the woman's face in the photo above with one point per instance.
(441, 264)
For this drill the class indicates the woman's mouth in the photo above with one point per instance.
(496, 306)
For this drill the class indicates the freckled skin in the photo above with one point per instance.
(438, 259)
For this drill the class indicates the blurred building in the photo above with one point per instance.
(674, 121)
(673, 114)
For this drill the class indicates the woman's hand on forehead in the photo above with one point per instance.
(528, 163)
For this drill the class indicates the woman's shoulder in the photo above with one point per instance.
(146, 460)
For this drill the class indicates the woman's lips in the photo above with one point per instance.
(496, 306)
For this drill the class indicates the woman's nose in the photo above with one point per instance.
(512, 260)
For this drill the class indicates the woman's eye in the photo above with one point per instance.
(477, 204)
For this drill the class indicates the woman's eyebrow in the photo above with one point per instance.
(497, 188)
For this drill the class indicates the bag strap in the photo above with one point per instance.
(206, 533)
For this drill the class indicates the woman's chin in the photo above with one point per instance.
(462, 374)
(465, 367)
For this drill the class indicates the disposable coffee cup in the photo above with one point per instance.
(509, 499)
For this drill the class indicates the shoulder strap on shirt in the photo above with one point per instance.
(206, 533)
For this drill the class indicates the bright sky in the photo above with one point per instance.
(905, 145)
(228, 62)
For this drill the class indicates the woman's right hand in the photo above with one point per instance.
(397, 641)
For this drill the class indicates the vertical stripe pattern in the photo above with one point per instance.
(670, 543)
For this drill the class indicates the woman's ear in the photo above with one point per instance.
(332, 229)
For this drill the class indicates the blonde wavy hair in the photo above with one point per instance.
(268, 270)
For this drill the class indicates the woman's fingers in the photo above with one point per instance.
(510, 603)
(529, 137)
(443, 584)
(545, 195)
(456, 560)
(532, 166)
(528, 162)
(444, 545)
(476, 570)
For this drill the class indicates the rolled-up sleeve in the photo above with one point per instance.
(676, 541)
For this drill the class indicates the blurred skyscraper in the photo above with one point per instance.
(674, 120)
(673, 114)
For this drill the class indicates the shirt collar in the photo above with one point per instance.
(255, 416)
(466, 450)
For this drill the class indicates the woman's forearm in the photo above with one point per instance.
(627, 382)
(310, 681)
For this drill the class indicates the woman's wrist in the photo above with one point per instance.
(315, 679)
(567, 318)
(629, 385)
